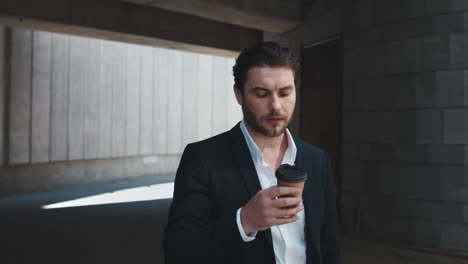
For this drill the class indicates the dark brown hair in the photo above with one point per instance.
(269, 54)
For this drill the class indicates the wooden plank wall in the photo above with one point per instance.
(75, 98)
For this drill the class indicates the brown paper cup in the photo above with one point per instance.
(299, 185)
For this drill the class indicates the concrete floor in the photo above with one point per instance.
(123, 232)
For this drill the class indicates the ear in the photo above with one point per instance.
(239, 96)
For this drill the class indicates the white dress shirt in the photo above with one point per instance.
(288, 240)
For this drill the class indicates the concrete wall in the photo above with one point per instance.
(76, 99)
(405, 117)
(2, 94)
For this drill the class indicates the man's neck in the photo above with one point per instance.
(272, 148)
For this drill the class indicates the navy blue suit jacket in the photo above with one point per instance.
(215, 178)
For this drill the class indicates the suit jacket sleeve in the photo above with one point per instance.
(193, 234)
(328, 234)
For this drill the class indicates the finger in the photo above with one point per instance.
(278, 191)
(286, 220)
(290, 211)
(286, 212)
(286, 202)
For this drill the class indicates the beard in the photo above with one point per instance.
(256, 123)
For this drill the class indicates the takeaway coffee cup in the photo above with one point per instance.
(292, 176)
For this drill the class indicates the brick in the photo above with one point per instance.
(446, 154)
(366, 93)
(401, 56)
(387, 32)
(424, 84)
(352, 178)
(349, 200)
(389, 11)
(465, 209)
(384, 92)
(436, 52)
(396, 229)
(346, 220)
(358, 127)
(432, 154)
(455, 183)
(429, 127)
(437, 7)
(353, 63)
(466, 154)
(458, 54)
(421, 210)
(448, 23)
(357, 40)
(456, 126)
(409, 181)
(458, 5)
(350, 128)
(380, 152)
(417, 27)
(428, 234)
(357, 15)
(416, 8)
(411, 153)
(450, 88)
(454, 236)
(465, 88)
(349, 95)
(355, 151)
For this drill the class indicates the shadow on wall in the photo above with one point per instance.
(125, 232)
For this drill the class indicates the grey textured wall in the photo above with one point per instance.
(85, 104)
(75, 98)
(405, 117)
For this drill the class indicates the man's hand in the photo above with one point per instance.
(265, 210)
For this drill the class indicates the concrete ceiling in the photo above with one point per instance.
(218, 27)
(277, 16)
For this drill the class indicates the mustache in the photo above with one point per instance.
(275, 115)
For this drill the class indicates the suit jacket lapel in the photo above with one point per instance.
(310, 199)
(244, 162)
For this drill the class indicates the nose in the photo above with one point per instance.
(275, 104)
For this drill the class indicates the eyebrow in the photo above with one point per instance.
(258, 88)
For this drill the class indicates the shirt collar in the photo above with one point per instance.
(256, 153)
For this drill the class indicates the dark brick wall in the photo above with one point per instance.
(405, 116)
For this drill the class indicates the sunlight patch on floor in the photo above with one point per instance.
(145, 193)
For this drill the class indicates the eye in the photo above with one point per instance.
(261, 94)
(284, 94)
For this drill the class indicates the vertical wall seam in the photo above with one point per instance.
(166, 86)
(31, 87)
(212, 94)
(139, 102)
(152, 103)
(182, 105)
(124, 93)
(112, 112)
(50, 94)
(154, 146)
(67, 153)
(197, 94)
(7, 95)
(127, 55)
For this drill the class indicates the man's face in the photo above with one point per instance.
(268, 99)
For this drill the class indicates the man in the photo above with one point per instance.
(227, 207)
